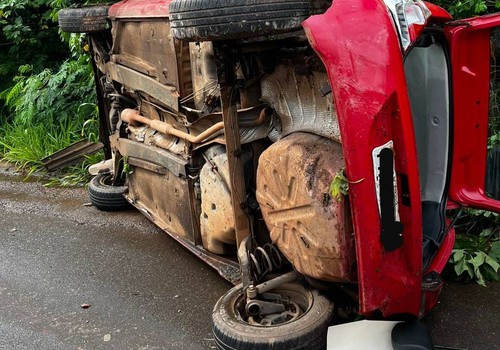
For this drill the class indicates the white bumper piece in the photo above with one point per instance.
(361, 335)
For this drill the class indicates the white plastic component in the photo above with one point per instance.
(376, 171)
(413, 14)
(97, 168)
(361, 335)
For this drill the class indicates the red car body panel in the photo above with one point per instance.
(438, 14)
(470, 56)
(430, 295)
(139, 9)
(443, 255)
(358, 44)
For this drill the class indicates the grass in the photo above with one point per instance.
(25, 145)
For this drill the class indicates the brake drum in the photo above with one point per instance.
(310, 227)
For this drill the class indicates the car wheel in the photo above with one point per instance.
(84, 20)
(303, 325)
(104, 196)
(208, 20)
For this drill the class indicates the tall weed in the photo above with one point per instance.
(25, 145)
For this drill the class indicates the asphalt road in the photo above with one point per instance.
(56, 254)
(145, 292)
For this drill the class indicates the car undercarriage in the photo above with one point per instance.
(295, 165)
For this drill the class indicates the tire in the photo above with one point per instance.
(106, 197)
(306, 332)
(84, 20)
(209, 20)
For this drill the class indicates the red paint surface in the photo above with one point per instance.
(359, 46)
(430, 297)
(444, 252)
(438, 14)
(140, 9)
(470, 57)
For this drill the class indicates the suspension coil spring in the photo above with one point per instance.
(264, 260)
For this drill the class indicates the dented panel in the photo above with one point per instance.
(147, 47)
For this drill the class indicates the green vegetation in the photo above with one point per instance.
(47, 88)
(468, 8)
(339, 186)
(26, 28)
(476, 255)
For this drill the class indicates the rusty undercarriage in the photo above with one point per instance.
(225, 140)
(228, 144)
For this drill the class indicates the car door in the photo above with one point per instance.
(475, 169)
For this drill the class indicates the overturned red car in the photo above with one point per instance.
(308, 150)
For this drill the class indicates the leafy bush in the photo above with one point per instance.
(48, 90)
(49, 97)
(468, 8)
(476, 254)
(472, 263)
(26, 28)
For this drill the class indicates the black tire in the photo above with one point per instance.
(106, 197)
(84, 20)
(208, 20)
(306, 332)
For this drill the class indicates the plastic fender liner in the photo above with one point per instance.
(358, 44)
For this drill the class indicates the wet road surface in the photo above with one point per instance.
(56, 254)
(146, 292)
(467, 317)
